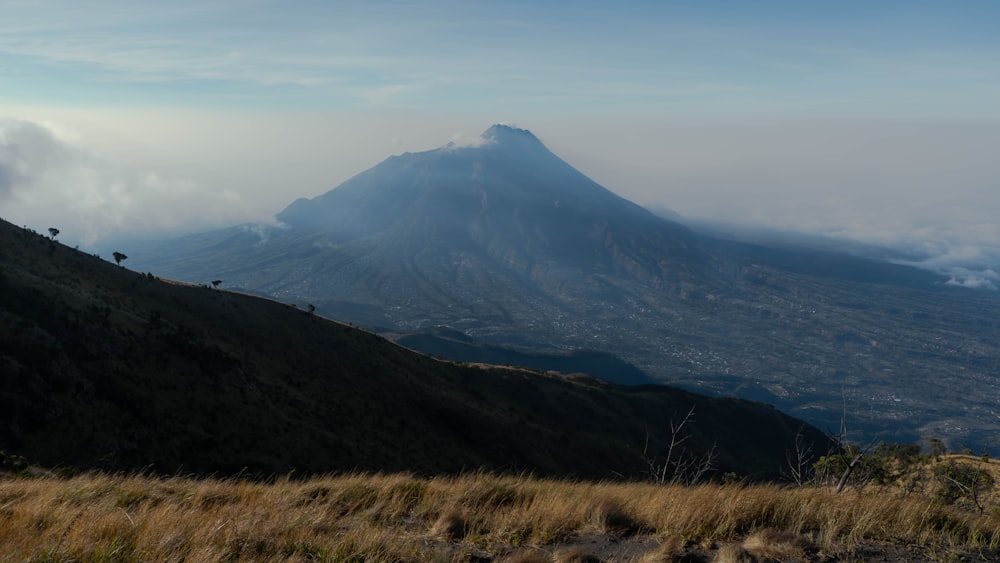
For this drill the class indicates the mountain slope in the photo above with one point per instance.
(106, 367)
(511, 246)
(455, 345)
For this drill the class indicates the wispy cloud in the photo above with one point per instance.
(476, 55)
(226, 42)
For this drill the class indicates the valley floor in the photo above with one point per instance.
(477, 517)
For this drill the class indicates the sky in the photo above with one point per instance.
(872, 121)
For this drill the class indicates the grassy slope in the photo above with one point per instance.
(104, 367)
(399, 518)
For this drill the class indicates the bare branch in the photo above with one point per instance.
(798, 461)
(679, 465)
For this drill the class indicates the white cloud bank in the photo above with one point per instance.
(48, 179)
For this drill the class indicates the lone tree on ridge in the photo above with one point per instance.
(119, 257)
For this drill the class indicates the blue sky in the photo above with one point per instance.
(688, 58)
(870, 120)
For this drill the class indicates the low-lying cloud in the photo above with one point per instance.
(50, 179)
(928, 190)
(969, 254)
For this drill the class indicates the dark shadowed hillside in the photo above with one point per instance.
(105, 367)
(457, 346)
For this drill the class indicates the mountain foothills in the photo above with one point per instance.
(510, 246)
(104, 367)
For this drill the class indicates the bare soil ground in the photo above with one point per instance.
(606, 548)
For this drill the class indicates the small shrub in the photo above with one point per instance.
(12, 462)
(962, 483)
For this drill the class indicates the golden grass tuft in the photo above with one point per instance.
(615, 518)
(450, 526)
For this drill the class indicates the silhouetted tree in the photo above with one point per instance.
(215, 283)
(312, 308)
(53, 233)
(119, 257)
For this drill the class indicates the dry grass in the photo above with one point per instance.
(104, 518)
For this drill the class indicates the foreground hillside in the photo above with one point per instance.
(401, 518)
(102, 367)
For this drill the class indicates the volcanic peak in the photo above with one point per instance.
(505, 133)
(500, 138)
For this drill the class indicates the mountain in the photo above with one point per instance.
(509, 200)
(508, 213)
(103, 367)
(509, 245)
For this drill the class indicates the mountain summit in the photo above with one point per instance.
(501, 133)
